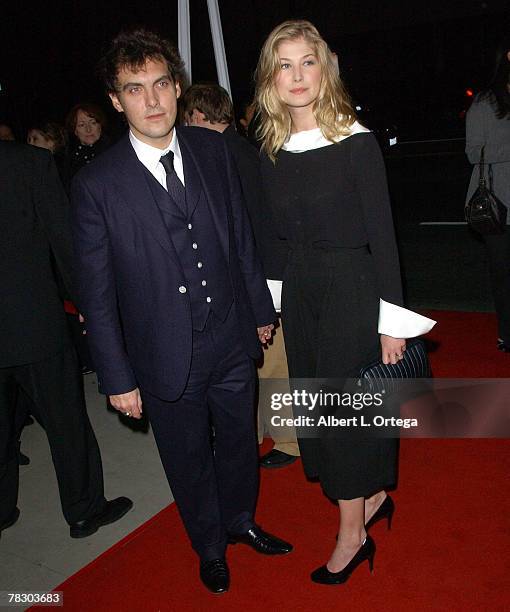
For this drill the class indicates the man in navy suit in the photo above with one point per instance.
(175, 299)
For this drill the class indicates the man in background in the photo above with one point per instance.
(209, 106)
(36, 356)
(6, 132)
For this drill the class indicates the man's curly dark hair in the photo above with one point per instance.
(132, 49)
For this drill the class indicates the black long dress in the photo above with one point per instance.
(332, 209)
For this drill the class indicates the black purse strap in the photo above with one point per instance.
(481, 180)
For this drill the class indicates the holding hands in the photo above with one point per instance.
(265, 333)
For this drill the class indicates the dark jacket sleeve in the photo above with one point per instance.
(370, 175)
(272, 250)
(250, 264)
(96, 289)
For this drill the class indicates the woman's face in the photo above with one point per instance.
(299, 78)
(88, 129)
(37, 139)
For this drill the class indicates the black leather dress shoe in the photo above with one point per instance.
(503, 346)
(10, 521)
(276, 459)
(113, 511)
(215, 575)
(262, 542)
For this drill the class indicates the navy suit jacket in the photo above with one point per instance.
(128, 273)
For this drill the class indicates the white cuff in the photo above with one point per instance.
(275, 287)
(399, 322)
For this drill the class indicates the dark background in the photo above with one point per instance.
(407, 64)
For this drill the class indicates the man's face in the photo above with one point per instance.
(148, 98)
(6, 133)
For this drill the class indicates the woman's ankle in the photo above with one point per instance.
(352, 541)
(376, 499)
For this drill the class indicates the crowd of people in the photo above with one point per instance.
(186, 249)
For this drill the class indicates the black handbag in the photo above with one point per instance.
(485, 213)
(378, 377)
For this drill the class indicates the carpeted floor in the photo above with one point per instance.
(448, 548)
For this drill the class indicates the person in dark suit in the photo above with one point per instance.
(208, 105)
(36, 356)
(6, 132)
(175, 299)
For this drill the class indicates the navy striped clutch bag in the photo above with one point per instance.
(379, 377)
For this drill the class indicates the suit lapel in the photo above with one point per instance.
(191, 178)
(137, 195)
(167, 205)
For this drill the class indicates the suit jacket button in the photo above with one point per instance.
(182, 289)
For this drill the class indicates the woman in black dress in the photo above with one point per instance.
(325, 181)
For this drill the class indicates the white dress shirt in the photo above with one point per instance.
(150, 156)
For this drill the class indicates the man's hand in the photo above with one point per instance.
(265, 333)
(392, 349)
(129, 403)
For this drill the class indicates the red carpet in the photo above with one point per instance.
(448, 549)
(463, 345)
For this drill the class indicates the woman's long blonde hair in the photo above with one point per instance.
(333, 108)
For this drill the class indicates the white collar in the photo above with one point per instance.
(149, 155)
(314, 139)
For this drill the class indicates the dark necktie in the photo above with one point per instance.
(173, 183)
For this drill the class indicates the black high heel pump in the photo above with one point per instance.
(367, 551)
(385, 510)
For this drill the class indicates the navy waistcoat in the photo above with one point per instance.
(197, 245)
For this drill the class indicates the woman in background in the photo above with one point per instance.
(86, 124)
(324, 176)
(47, 135)
(488, 126)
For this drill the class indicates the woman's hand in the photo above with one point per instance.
(392, 349)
